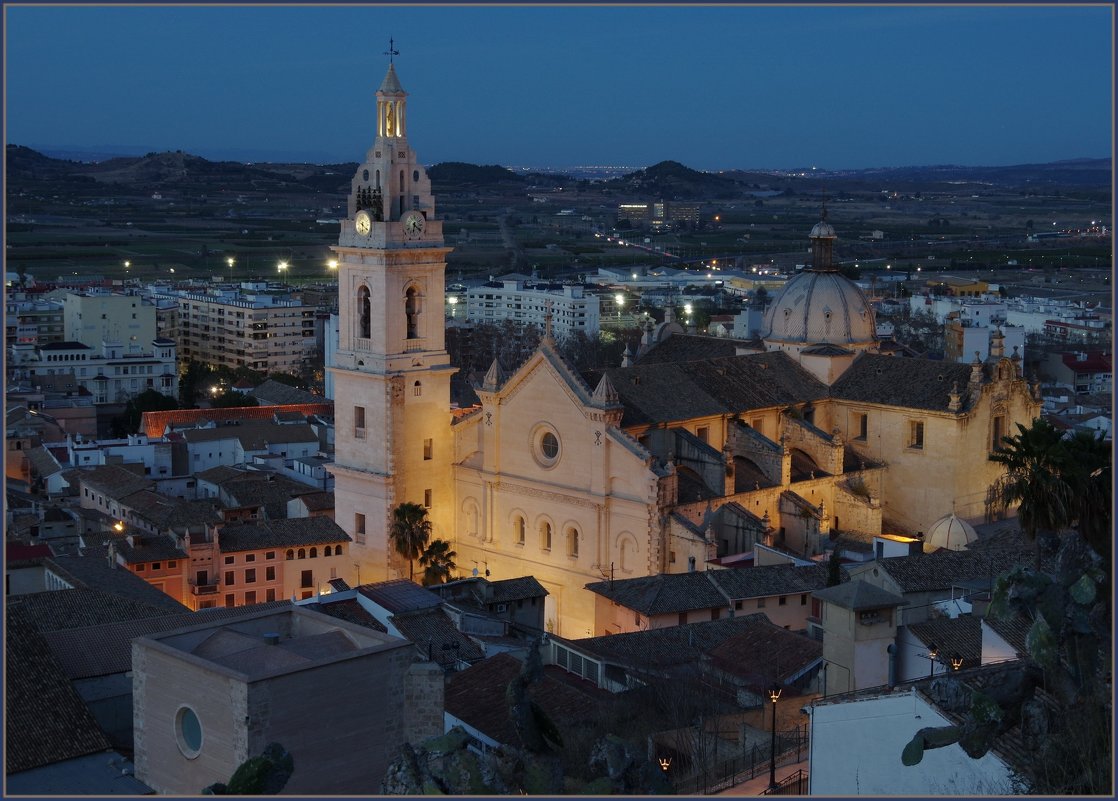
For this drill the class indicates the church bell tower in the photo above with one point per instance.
(391, 371)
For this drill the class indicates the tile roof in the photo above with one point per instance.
(960, 635)
(166, 512)
(276, 392)
(318, 501)
(116, 481)
(690, 348)
(399, 595)
(95, 572)
(106, 649)
(350, 610)
(45, 719)
(858, 594)
(663, 648)
(478, 697)
(666, 392)
(909, 383)
(769, 580)
(54, 610)
(288, 533)
(515, 589)
(254, 435)
(662, 594)
(1013, 629)
(435, 635)
(43, 462)
(149, 548)
(942, 569)
(764, 652)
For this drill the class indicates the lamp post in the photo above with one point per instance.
(283, 271)
(620, 300)
(933, 652)
(774, 694)
(230, 261)
(956, 661)
(127, 265)
(332, 264)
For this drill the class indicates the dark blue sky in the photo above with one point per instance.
(714, 88)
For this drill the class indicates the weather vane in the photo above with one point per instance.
(391, 51)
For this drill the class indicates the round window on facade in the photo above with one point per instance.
(188, 732)
(546, 447)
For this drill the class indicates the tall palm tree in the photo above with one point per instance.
(1035, 481)
(410, 532)
(437, 561)
(1090, 477)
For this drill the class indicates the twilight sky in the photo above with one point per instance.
(712, 87)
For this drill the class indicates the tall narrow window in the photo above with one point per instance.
(364, 311)
(998, 433)
(411, 309)
(545, 536)
(518, 529)
(572, 542)
(428, 449)
(427, 498)
(417, 389)
(358, 528)
(359, 422)
(916, 434)
(863, 421)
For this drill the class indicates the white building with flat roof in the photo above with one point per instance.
(571, 307)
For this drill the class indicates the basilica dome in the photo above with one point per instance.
(820, 306)
(951, 533)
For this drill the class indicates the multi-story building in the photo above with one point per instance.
(94, 317)
(571, 307)
(661, 214)
(110, 373)
(33, 322)
(1081, 371)
(244, 329)
(963, 338)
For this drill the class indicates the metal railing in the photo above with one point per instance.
(795, 784)
(791, 747)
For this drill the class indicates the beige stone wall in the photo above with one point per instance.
(161, 684)
(424, 701)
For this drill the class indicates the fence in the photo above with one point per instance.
(791, 747)
(796, 784)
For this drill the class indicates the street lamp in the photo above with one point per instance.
(332, 264)
(956, 661)
(127, 264)
(620, 300)
(453, 301)
(933, 652)
(774, 694)
(283, 270)
(230, 261)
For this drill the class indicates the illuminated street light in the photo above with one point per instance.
(127, 264)
(332, 264)
(620, 300)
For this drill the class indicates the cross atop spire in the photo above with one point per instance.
(391, 51)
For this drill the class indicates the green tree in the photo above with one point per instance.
(149, 400)
(834, 569)
(231, 398)
(1088, 472)
(191, 379)
(266, 774)
(437, 561)
(1034, 482)
(409, 533)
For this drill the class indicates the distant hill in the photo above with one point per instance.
(671, 180)
(29, 170)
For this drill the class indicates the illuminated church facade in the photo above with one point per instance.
(699, 450)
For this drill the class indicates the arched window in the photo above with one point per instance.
(545, 536)
(417, 389)
(411, 310)
(326, 551)
(626, 549)
(415, 175)
(314, 553)
(378, 179)
(471, 519)
(290, 554)
(690, 564)
(518, 530)
(572, 542)
(364, 312)
(302, 553)
(337, 550)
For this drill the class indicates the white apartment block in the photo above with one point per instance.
(94, 317)
(571, 307)
(112, 374)
(235, 329)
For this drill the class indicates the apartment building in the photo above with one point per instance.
(110, 373)
(93, 317)
(236, 329)
(33, 322)
(571, 307)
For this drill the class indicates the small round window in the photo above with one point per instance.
(188, 732)
(545, 446)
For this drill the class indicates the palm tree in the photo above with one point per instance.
(1035, 481)
(437, 562)
(1089, 475)
(410, 532)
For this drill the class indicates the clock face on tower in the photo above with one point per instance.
(363, 222)
(413, 224)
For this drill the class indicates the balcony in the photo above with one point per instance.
(202, 589)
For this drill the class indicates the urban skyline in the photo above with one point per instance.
(712, 87)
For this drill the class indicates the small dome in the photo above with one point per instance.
(950, 533)
(822, 230)
(816, 308)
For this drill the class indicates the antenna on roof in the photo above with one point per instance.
(391, 51)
